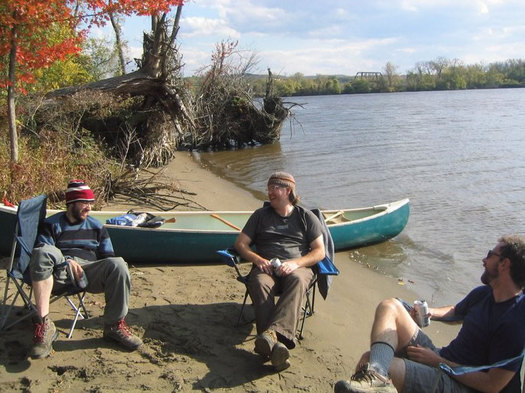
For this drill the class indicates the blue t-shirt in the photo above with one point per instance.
(88, 239)
(491, 331)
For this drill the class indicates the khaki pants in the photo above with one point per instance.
(282, 316)
(109, 275)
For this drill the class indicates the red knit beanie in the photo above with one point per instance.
(77, 191)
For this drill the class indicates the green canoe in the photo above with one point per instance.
(194, 236)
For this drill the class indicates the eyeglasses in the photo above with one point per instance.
(274, 187)
(491, 253)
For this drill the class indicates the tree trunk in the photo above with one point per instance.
(118, 43)
(11, 96)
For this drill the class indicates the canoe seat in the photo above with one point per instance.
(336, 218)
(29, 215)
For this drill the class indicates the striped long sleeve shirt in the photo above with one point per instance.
(87, 240)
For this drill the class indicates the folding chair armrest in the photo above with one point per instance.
(229, 256)
(460, 370)
(327, 267)
(232, 259)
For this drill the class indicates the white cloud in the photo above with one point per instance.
(483, 8)
(326, 32)
(195, 26)
(247, 12)
(194, 60)
(341, 12)
(327, 57)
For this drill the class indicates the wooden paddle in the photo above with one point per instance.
(226, 222)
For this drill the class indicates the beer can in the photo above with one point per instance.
(276, 264)
(421, 309)
(82, 283)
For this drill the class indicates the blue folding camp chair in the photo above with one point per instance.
(325, 270)
(322, 269)
(29, 215)
(460, 370)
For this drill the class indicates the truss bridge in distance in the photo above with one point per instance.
(368, 75)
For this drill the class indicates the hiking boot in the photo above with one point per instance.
(279, 357)
(265, 342)
(44, 334)
(121, 333)
(365, 380)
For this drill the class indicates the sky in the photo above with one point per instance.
(334, 37)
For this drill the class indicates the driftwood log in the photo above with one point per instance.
(158, 115)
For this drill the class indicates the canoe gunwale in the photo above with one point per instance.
(382, 209)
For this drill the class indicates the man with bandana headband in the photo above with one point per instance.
(76, 239)
(286, 231)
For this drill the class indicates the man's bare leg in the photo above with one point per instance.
(42, 290)
(392, 330)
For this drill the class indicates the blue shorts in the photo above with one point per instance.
(420, 378)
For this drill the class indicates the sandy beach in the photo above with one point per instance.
(186, 316)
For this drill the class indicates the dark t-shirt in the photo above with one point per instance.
(491, 331)
(282, 237)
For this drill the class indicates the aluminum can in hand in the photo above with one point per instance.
(276, 264)
(82, 283)
(421, 309)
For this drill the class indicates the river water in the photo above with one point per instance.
(458, 155)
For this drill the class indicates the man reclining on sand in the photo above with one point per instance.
(493, 330)
(82, 242)
(294, 235)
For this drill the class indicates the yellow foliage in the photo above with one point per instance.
(61, 74)
(46, 163)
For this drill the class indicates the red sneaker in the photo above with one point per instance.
(44, 334)
(121, 333)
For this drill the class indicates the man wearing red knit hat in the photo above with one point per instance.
(286, 231)
(76, 239)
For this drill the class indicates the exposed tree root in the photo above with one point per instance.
(149, 189)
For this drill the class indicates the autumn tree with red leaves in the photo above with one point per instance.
(25, 40)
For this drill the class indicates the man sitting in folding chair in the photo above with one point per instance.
(74, 238)
(492, 337)
(292, 234)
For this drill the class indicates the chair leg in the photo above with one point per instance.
(242, 309)
(80, 311)
(8, 308)
(313, 300)
(308, 309)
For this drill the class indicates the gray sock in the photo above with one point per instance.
(381, 355)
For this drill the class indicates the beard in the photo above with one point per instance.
(488, 276)
(79, 214)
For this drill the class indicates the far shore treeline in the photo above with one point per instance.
(439, 74)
